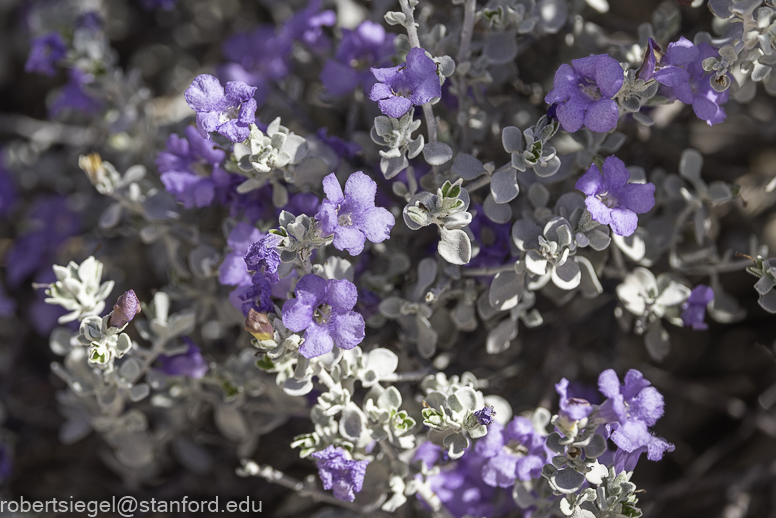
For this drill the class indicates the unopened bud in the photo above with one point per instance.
(259, 325)
(125, 309)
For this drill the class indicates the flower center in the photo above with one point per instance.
(608, 200)
(322, 314)
(590, 89)
(344, 219)
(515, 448)
(229, 114)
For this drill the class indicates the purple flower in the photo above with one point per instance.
(679, 54)
(233, 271)
(485, 416)
(187, 168)
(258, 58)
(571, 408)
(611, 200)
(698, 91)
(46, 50)
(352, 216)
(323, 310)
(344, 476)
(584, 91)
(514, 452)
(629, 410)
(90, 20)
(695, 307)
(493, 239)
(306, 26)
(226, 110)
(413, 83)
(343, 148)
(191, 363)
(368, 45)
(74, 96)
(125, 309)
(264, 257)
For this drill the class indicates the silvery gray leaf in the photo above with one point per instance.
(456, 444)
(230, 422)
(631, 104)
(390, 167)
(498, 213)
(161, 206)
(75, 429)
(643, 118)
(391, 307)
(512, 139)
(437, 153)
(139, 392)
(613, 142)
(567, 276)
(553, 14)
(415, 147)
(129, 369)
(389, 399)
(454, 246)
(351, 425)
(135, 449)
(596, 447)
(767, 301)
(500, 47)
(690, 164)
(539, 195)
(500, 337)
(657, 341)
(549, 168)
(467, 166)
(745, 7)
(599, 239)
(525, 234)
(446, 65)
(427, 337)
(503, 186)
(191, 455)
(249, 185)
(111, 216)
(427, 272)
(589, 283)
(505, 289)
(567, 480)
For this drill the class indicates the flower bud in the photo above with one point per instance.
(125, 309)
(259, 325)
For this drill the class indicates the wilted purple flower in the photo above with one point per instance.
(74, 96)
(258, 58)
(571, 408)
(647, 70)
(307, 26)
(699, 92)
(629, 410)
(412, 83)
(188, 168)
(339, 473)
(611, 200)
(46, 50)
(485, 416)
(233, 271)
(352, 216)
(226, 110)
(257, 295)
(584, 91)
(695, 307)
(514, 452)
(191, 363)
(125, 309)
(264, 257)
(368, 45)
(323, 310)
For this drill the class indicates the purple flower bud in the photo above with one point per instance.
(191, 363)
(485, 416)
(126, 308)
